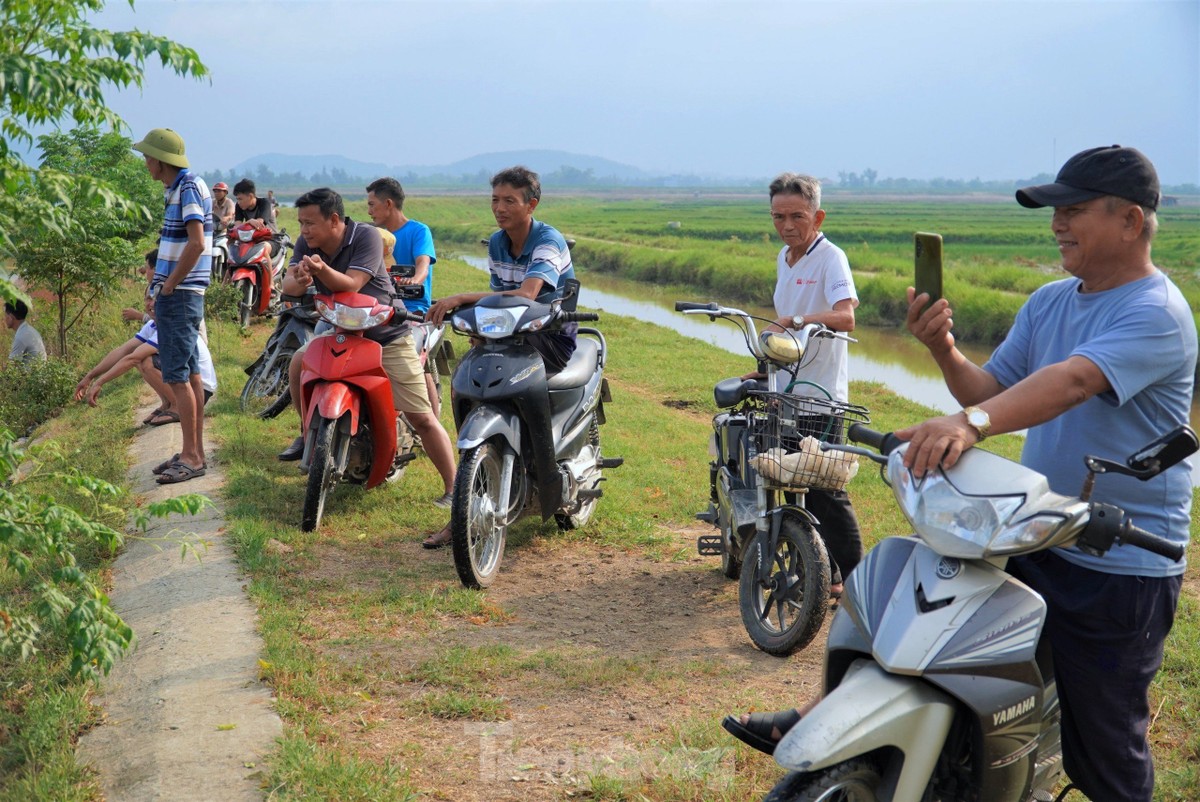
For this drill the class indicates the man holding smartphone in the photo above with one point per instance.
(1074, 371)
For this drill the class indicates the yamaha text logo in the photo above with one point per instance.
(948, 568)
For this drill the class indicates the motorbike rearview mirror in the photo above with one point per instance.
(1147, 462)
(1166, 451)
(570, 294)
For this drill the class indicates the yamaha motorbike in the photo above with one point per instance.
(266, 392)
(765, 456)
(528, 442)
(250, 267)
(938, 680)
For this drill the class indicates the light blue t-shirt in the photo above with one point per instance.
(414, 239)
(1143, 338)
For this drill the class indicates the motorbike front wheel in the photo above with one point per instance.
(322, 472)
(853, 780)
(783, 608)
(266, 393)
(245, 301)
(478, 516)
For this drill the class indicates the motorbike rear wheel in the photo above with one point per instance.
(245, 301)
(854, 780)
(478, 516)
(784, 609)
(266, 393)
(322, 472)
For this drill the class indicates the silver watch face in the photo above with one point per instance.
(977, 417)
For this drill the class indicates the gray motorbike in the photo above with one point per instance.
(938, 683)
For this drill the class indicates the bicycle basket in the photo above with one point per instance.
(788, 431)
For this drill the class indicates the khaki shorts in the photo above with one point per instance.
(403, 367)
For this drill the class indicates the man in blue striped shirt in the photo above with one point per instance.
(181, 276)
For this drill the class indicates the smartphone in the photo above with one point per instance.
(927, 259)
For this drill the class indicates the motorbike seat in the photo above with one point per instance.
(582, 366)
(731, 392)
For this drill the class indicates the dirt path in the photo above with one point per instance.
(185, 716)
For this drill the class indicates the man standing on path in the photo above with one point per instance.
(27, 342)
(181, 275)
(414, 246)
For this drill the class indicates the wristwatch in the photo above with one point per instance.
(978, 420)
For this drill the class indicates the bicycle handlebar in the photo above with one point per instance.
(686, 306)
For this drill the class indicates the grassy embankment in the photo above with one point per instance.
(995, 253)
(380, 660)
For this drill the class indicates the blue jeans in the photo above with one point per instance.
(178, 316)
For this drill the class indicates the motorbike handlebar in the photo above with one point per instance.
(1135, 536)
(685, 306)
(576, 317)
(885, 442)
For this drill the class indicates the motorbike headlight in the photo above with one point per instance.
(354, 318)
(954, 524)
(494, 323)
(1026, 535)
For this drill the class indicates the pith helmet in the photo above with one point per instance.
(165, 145)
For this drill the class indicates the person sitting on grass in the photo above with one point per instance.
(141, 351)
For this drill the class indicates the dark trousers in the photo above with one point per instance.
(1106, 637)
(838, 528)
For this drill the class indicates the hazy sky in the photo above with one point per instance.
(989, 89)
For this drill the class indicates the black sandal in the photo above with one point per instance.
(758, 731)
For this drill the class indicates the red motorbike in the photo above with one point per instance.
(251, 269)
(352, 431)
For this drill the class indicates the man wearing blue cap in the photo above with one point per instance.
(1074, 372)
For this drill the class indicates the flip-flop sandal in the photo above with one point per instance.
(431, 544)
(179, 473)
(163, 418)
(162, 466)
(153, 415)
(757, 731)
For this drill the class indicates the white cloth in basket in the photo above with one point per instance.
(808, 467)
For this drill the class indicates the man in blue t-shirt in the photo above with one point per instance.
(414, 246)
(526, 258)
(1101, 363)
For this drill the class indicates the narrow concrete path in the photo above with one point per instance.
(186, 716)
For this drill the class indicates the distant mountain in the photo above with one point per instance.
(280, 163)
(541, 161)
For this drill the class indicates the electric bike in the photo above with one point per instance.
(938, 680)
(765, 456)
(528, 442)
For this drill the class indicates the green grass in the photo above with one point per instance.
(358, 636)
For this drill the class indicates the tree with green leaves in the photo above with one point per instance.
(98, 250)
(55, 66)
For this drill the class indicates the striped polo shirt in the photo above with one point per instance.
(185, 200)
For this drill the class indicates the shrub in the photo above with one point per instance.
(221, 301)
(34, 391)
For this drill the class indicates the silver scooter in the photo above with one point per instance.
(938, 685)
